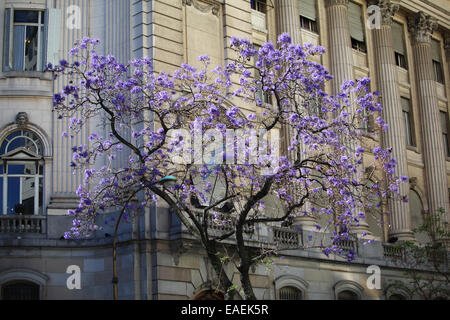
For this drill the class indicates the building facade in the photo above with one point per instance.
(404, 46)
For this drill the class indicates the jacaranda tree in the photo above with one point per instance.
(186, 128)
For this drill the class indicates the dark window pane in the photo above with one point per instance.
(20, 291)
(347, 295)
(13, 135)
(3, 147)
(13, 194)
(16, 169)
(23, 16)
(16, 144)
(290, 293)
(41, 196)
(31, 49)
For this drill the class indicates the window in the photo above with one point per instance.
(355, 20)
(258, 5)
(408, 122)
(308, 15)
(347, 295)
(444, 125)
(31, 39)
(290, 293)
(437, 61)
(22, 290)
(399, 45)
(21, 174)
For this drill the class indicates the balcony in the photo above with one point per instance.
(21, 224)
(286, 238)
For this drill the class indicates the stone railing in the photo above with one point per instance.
(286, 237)
(348, 245)
(22, 224)
(393, 252)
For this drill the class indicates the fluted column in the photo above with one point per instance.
(341, 62)
(421, 28)
(288, 19)
(339, 48)
(394, 137)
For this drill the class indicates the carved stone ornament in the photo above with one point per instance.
(22, 119)
(388, 9)
(214, 8)
(422, 27)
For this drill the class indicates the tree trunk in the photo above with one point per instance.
(245, 282)
(224, 282)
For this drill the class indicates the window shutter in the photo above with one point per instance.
(6, 48)
(444, 122)
(53, 36)
(355, 21)
(397, 38)
(436, 50)
(307, 9)
(405, 104)
(18, 47)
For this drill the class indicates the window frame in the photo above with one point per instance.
(8, 65)
(259, 5)
(33, 158)
(438, 72)
(309, 25)
(445, 133)
(409, 120)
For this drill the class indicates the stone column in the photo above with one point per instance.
(421, 28)
(341, 60)
(339, 45)
(288, 20)
(394, 137)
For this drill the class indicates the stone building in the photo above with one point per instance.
(407, 55)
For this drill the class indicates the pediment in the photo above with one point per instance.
(21, 154)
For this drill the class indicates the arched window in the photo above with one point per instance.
(348, 290)
(290, 293)
(21, 174)
(20, 290)
(347, 295)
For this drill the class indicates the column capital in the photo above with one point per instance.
(330, 3)
(422, 27)
(388, 9)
